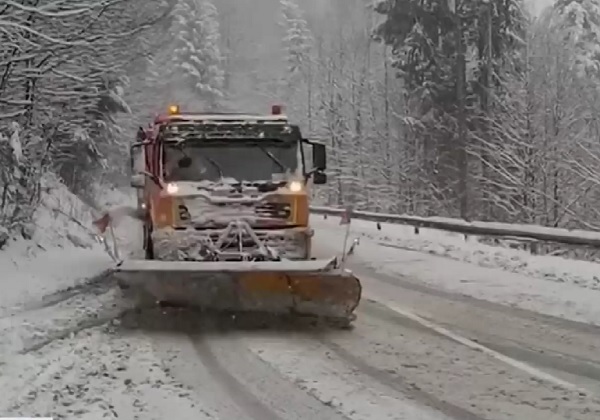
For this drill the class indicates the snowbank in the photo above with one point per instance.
(551, 268)
(64, 249)
(551, 285)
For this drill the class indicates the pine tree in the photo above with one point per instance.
(579, 24)
(197, 54)
(438, 71)
(297, 44)
(298, 38)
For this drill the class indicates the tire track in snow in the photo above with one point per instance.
(567, 348)
(247, 401)
(265, 383)
(512, 355)
(455, 373)
(32, 330)
(398, 281)
(96, 284)
(400, 384)
(207, 353)
(352, 390)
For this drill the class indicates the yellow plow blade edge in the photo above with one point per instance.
(303, 287)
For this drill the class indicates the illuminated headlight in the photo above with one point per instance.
(295, 186)
(172, 188)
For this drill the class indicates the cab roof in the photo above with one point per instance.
(215, 118)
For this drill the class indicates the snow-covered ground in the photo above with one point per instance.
(43, 278)
(59, 353)
(94, 374)
(64, 250)
(65, 353)
(546, 284)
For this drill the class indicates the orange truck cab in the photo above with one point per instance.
(197, 175)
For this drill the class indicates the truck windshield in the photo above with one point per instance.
(243, 162)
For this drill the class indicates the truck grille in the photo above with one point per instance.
(274, 210)
(198, 212)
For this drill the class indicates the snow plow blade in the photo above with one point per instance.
(313, 288)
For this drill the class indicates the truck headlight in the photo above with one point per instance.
(172, 188)
(295, 186)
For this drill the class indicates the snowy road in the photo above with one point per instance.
(81, 354)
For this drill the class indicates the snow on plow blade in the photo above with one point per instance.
(302, 287)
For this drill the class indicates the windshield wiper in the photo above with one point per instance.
(180, 144)
(273, 158)
(216, 165)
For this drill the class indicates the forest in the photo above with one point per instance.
(462, 108)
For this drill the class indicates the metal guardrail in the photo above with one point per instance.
(505, 230)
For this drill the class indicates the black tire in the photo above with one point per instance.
(148, 245)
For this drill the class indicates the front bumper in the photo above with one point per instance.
(175, 245)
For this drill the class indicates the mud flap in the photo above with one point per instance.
(313, 288)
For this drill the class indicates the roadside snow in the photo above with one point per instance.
(60, 355)
(453, 245)
(94, 374)
(550, 285)
(59, 315)
(63, 250)
(128, 231)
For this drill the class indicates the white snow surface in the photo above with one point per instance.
(546, 284)
(313, 369)
(68, 360)
(64, 249)
(59, 353)
(95, 374)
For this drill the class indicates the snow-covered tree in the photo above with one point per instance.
(197, 55)
(64, 71)
(297, 46)
(448, 56)
(578, 21)
(297, 40)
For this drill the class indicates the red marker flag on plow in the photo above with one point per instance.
(114, 215)
(102, 223)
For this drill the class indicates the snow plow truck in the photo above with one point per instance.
(225, 203)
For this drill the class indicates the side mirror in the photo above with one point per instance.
(184, 162)
(319, 178)
(136, 158)
(140, 135)
(138, 180)
(319, 157)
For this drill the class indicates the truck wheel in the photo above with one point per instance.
(148, 245)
